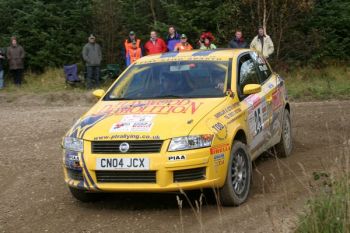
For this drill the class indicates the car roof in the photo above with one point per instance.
(216, 54)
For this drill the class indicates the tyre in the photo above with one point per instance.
(284, 147)
(238, 177)
(83, 195)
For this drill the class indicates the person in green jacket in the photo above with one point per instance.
(92, 56)
(262, 43)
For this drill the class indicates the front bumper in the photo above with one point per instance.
(198, 170)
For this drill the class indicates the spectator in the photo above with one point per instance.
(173, 38)
(15, 55)
(134, 53)
(128, 45)
(92, 56)
(206, 41)
(183, 45)
(155, 45)
(2, 59)
(238, 42)
(262, 43)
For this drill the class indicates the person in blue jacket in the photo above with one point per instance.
(172, 39)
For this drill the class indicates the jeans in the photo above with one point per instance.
(92, 77)
(17, 76)
(1, 79)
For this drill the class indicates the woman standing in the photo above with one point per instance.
(206, 41)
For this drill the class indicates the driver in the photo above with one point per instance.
(219, 82)
(169, 84)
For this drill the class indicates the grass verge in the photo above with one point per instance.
(332, 82)
(329, 212)
(303, 84)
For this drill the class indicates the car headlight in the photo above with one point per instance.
(190, 142)
(73, 144)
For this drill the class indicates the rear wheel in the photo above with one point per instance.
(84, 196)
(284, 147)
(238, 178)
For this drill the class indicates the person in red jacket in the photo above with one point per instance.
(155, 45)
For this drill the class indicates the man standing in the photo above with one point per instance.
(92, 56)
(2, 59)
(128, 44)
(262, 43)
(155, 45)
(15, 55)
(238, 42)
(183, 45)
(173, 38)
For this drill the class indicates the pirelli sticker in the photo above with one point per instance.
(219, 149)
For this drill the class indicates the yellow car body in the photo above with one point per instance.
(149, 125)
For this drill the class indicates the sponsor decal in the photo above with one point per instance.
(151, 107)
(219, 159)
(72, 160)
(126, 137)
(277, 99)
(174, 158)
(133, 123)
(219, 149)
(226, 110)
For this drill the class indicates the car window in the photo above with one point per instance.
(263, 68)
(247, 73)
(175, 79)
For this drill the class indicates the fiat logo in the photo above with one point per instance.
(124, 147)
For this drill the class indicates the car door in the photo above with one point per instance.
(271, 89)
(255, 104)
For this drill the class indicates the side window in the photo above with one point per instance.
(247, 73)
(263, 67)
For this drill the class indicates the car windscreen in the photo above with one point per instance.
(178, 79)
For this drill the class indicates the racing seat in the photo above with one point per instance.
(71, 73)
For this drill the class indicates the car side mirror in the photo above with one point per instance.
(99, 93)
(251, 89)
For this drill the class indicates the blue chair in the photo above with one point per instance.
(71, 73)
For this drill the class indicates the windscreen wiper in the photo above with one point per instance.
(167, 96)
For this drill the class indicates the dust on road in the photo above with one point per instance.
(34, 198)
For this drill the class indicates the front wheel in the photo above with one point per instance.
(284, 147)
(238, 178)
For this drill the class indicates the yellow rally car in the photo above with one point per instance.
(180, 121)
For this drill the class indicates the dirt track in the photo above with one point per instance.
(34, 198)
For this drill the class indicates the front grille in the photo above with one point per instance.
(189, 175)
(126, 176)
(75, 174)
(112, 147)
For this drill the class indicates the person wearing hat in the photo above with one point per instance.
(128, 45)
(183, 45)
(15, 56)
(92, 56)
(134, 53)
(262, 43)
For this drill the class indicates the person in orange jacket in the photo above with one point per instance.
(128, 45)
(183, 45)
(134, 53)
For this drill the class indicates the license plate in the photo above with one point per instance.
(122, 164)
